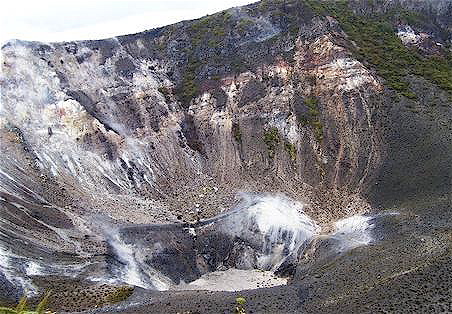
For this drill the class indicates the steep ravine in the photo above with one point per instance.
(123, 159)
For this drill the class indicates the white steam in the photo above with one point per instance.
(352, 232)
(275, 223)
(134, 272)
(131, 274)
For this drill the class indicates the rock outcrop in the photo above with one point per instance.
(345, 107)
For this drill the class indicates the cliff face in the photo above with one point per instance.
(344, 107)
(154, 114)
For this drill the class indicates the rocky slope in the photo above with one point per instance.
(344, 106)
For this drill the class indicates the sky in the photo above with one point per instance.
(65, 20)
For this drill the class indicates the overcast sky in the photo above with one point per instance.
(61, 20)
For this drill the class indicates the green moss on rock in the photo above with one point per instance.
(271, 139)
(291, 150)
(311, 117)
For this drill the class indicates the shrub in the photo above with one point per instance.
(271, 139)
(240, 305)
(243, 25)
(292, 150)
(379, 45)
(312, 117)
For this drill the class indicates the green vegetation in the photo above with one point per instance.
(120, 294)
(209, 55)
(41, 307)
(379, 45)
(291, 149)
(240, 305)
(166, 92)
(22, 307)
(211, 30)
(243, 25)
(312, 117)
(238, 64)
(211, 50)
(318, 130)
(189, 88)
(289, 20)
(271, 139)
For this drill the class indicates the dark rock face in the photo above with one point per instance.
(169, 124)
(190, 133)
(251, 92)
(10, 292)
(220, 97)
